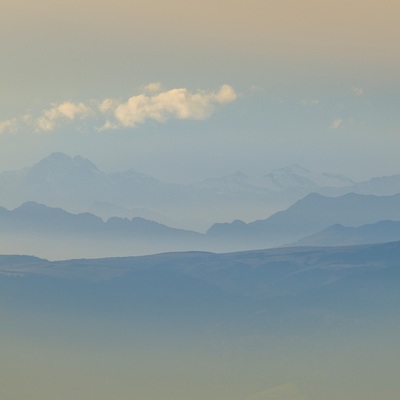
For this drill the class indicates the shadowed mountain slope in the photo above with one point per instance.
(339, 235)
(308, 216)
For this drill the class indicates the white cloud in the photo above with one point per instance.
(153, 87)
(357, 91)
(152, 104)
(337, 123)
(226, 94)
(67, 110)
(108, 105)
(8, 125)
(175, 103)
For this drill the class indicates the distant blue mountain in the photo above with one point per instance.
(37, 229)
(382, 186)
(339, 235)
(51, 232)
(78, 185)
(38, 218)
(310, 215)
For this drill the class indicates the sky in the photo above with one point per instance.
(187, 90)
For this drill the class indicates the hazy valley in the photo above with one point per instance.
(281, 324)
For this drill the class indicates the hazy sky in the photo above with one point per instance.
(185, 90)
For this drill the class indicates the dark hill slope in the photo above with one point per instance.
(310, 215)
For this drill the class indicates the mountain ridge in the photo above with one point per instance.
(338, 234)
(76, 184)
(309, 215)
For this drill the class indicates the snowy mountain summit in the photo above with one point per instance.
(297, 177)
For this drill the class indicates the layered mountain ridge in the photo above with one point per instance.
(78, 185)
(49, 229)
(55, 233)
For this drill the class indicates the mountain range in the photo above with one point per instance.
(50, 232)
(308, 216)
(70, 208)
(78, 185)
(272, 307)
(340, 235)
(34, 228)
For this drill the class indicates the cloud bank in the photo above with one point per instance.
(175, 103)
(67, 110)
(151, 104)
(8, 125)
